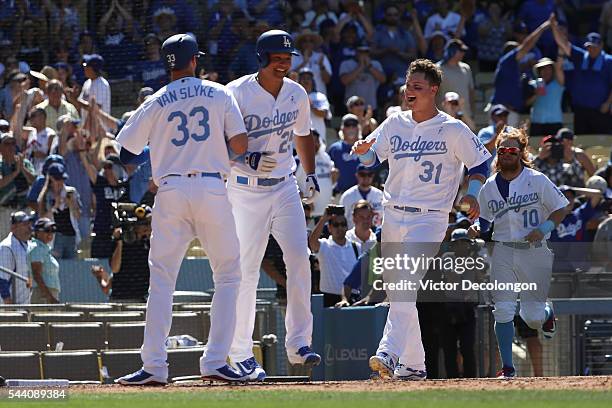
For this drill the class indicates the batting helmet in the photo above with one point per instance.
(178, 50)
(273, 41)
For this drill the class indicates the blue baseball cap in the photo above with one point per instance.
(178, 50)
(51, 159)
(57, 171)
(363, 167)
(592, 39)
(93, 60)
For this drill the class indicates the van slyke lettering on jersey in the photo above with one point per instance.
(514, 202)
(416, 148)
(257, 126)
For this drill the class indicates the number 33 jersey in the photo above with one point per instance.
(426, 159)
(271, 123)
(532, 197)
(187, 124)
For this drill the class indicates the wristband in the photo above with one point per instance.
(474, 188)
(546, 227)
(367, 158)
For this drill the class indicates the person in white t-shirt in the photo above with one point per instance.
(336, 255)
(363, 191)
(40, 138)
(319, 104)
(308, 42)
(362, 233)
(444, 20)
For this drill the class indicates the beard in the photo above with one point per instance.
(510, 166)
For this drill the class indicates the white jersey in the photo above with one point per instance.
(187, 124)
(426, 159)
(271, 123)
(532, 197)
(351, 196)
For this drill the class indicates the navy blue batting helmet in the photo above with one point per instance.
(273, 41)
(178, 50)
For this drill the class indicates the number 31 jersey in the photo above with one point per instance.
(271, 123)
(187, 124)
(426, 159)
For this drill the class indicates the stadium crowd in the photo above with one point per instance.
(60, 59)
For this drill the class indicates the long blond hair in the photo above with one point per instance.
(521, 136)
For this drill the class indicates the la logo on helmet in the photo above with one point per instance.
(287, 42)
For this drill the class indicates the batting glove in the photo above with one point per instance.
(311, 189)
(260, 161)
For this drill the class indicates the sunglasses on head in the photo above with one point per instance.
(339, 224)
(365, 174)
(514, 151)
(358, 103)
(351, 123)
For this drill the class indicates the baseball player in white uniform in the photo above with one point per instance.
(525, 206)
(427, 151)
(188, 126)
(265, 197)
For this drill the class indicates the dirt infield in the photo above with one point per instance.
(601, 383)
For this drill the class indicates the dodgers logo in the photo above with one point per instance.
(478, 144)
(515, 202)
(286, 42)
(257, 126)
(416, 148)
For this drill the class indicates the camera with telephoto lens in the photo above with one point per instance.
(556, 150)
(127, 216)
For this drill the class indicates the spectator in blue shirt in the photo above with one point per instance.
(245, 59)
(394, 47)
(546, 113)
(115, 32)
(508, 87)
(184, 15)
(270, 11)
(151, 69)
(340, 153)
(591, 89)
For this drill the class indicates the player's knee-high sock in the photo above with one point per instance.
(505, 333)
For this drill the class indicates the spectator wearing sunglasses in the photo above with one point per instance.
(356, 105)
(363, 191)
(340, 153)
(336, 255)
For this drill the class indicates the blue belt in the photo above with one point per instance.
(265, 182)
(202, 174)
(412, 209)
(522, 245)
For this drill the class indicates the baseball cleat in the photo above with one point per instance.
(251, 368)
(224, 374)
(506, 373)
(550, 325)
(403, 372)
(384, 364)
(305, 356)
(141, 377)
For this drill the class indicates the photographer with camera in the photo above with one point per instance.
(129, 262)
(336, 254)
(550, 162)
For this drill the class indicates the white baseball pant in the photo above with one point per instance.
(417, 235)
(260, 211)
(186, 208)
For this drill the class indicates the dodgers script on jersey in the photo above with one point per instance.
(187, 124)
(271, 123)
(532, 198)
(426, 159)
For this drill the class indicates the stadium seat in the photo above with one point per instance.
(71, 365)
(124, 335)
(23, 336)
(184, 362)
(117, 363)
(106, 317)
(193, 307)
(57, 317)
(191, 323)
(20, 365)
(134, 307)
(184, 296)
(92, 307)
(77, 336)
(13, 316)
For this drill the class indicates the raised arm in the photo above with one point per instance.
(530, 41)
